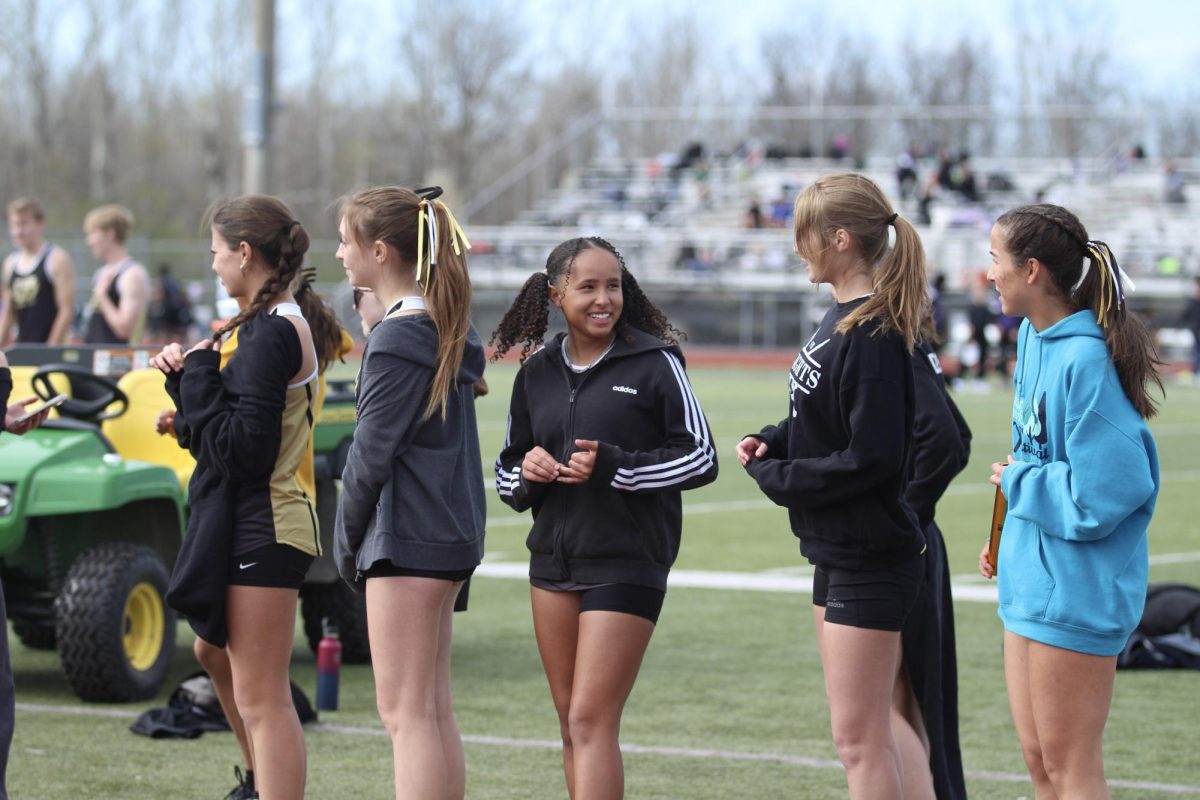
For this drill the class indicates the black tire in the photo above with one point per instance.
(36, 634)
(116, 636)
(347, 607)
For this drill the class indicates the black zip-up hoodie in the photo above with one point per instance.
(840, 460)
(623, 524)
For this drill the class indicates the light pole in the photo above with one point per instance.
(258, 101)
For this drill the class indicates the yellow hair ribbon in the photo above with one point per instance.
(422, 222)
(457, 232)
(427, 218)
(1105, 278)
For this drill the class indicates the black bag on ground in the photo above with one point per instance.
(1168, 636)
(193, 709)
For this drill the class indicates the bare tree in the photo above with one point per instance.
(30, 87)
(1065, 59)
(467, 67)
(958, 75)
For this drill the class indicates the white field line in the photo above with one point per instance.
(967, 588)
(1159, 432)
(670, 752)
(770, 581)
(758, 504)
(1174, 558)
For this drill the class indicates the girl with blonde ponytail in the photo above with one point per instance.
(838, 462)
(410, 522)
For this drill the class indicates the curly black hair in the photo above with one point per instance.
(528, 317)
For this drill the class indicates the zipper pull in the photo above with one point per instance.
(571, 401)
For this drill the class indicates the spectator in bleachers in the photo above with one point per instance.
(839, 147)
(781, 207)
(963, 179)
(753, 218)
(906, 174)
(1173, 184)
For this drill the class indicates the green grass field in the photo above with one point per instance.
(730, 701)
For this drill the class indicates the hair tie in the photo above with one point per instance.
(427, 227)
(1113, 279)
(892, 219)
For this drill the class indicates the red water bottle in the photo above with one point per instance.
(329, 664)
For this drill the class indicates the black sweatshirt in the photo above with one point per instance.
(839, 461)
(6, 387)
(235, 417)
(623, 524)
(941, 438)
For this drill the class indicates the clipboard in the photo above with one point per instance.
(999, 511)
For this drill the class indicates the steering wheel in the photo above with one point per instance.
(91, 394)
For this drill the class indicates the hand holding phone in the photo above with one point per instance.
(53, 402)
(18, 418)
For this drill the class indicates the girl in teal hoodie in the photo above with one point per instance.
(1081, 485)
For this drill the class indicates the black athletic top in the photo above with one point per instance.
(623, 524)
(237, 424)
(98, 329)
(33, 302)
(839, 461)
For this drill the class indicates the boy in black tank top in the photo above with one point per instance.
(38, 285)
(121, 288)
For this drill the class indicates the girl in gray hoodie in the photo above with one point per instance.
(410, 522)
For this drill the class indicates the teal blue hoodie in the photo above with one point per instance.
(1073, 558)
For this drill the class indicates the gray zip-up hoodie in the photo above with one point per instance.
(412, 491)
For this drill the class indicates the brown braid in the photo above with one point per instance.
(268, 226)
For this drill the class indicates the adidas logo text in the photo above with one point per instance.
(624, 389)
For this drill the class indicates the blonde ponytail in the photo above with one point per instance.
(856, 204)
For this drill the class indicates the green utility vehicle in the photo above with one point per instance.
(93, 511)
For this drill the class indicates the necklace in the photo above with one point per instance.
(578, 368)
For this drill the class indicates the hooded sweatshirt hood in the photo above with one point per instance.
(415, 339)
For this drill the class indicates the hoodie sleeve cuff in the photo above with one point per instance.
(608, 460)
(1010, 476)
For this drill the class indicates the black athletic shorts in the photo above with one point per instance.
(384, 568)
(387, 569)
(624, 598)
(876, 599)
(276, 565)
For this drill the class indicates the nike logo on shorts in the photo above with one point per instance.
(246, 566)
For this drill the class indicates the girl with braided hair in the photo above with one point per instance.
(604, 434)
(410, 521)
(1081, 486)
(331, 342)
(839, 463)
(252, 531)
